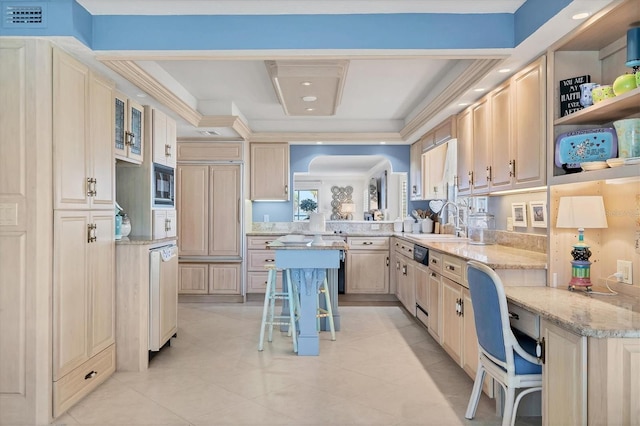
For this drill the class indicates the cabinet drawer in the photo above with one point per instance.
(403, 247)
(82, 380)
(525, 321)
(259, 258)
(260, 243)
(368, 243)
(435, 261)
(452, 268)
(257, 282)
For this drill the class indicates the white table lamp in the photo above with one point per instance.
(581, 212)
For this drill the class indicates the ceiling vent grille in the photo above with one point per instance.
(30, 15)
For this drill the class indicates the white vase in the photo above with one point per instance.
(125, 228)
(316, 222)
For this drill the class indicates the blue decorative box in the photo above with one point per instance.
(580, 146)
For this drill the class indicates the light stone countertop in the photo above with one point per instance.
(587, 315)
(134, 240)
(306, 244)
(495, 256)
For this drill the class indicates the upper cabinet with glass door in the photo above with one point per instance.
(129, 125)
(597, 49)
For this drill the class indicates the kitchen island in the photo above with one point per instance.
(307, 263)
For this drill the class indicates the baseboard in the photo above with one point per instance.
(210, 298)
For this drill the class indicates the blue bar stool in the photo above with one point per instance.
(269, 318)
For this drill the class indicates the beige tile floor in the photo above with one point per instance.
(383, 369)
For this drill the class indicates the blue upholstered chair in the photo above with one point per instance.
(510, 360)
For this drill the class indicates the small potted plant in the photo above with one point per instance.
(308, 205)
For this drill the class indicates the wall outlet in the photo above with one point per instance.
(265, 218)
(509, 223)
(375, 227)
(625, 267)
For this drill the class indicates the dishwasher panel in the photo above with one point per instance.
(163, 295)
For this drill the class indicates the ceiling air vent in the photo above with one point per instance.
(29, 15)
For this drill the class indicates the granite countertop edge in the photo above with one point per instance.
(576, 312)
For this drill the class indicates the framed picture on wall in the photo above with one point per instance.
(538, 214)
(519, 214)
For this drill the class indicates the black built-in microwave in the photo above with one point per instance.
(163, 186)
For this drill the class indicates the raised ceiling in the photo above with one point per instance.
(393, 91)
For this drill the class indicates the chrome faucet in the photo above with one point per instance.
(456, 218)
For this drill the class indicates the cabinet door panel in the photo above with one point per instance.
(451, 322)
(367, 271)
(102, 278)
(224, 210)
(465, 140)
(70, 109)
(135, 118)
(101, 109)
(172, 223)
(435, 311)
(158, 135)
(70, 291)
(224, 278)
(481, 160)
(500, 128)
(193, 278)
(270, 171)
(171, 150)
(529, 126)
(120, 126)
(193, 205)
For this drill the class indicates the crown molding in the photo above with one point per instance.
(232, 121)
(474, 73)
(146, 82)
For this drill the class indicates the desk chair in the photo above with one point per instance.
(510, 360)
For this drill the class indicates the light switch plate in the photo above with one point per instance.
(509, 223)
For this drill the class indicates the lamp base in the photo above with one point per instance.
(580, 275)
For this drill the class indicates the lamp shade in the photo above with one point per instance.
(348, 208)
(581, 212)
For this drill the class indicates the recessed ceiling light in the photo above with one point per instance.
(503, 70)
(306, 83)
(382, 142)
(319, 142)
(579, 16)
(309, 109)
(309, 98)
(141, 95)
(463, 104)
(480, 89)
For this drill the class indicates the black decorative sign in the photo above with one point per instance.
(570, 94)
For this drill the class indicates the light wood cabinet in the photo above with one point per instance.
(464, 124)
(433, 166)
(209, 278)
(161, 131)
(481, 112)
(165, 223)
(451, 337)
(269, 180)
(422, 287)
(415, 170)
(367, 265)
(435, 303)
(259, 255)
(209, 210)
(564, 381)
(501, 166)
(405, 271)
(208, 227)
(83, 116)
(128, 129)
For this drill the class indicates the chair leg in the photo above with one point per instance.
(509, 402)
(265, 309)
(520, 395)
(272, 308)
(327, 300)
(475, 394)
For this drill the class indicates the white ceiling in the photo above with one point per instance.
(383, 92)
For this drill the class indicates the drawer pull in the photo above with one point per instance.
(514, 315)
(434, 261)
(270, 260)
(367, 243)
(451, 268)
(540, 349)
(91, 375)
(433, 274)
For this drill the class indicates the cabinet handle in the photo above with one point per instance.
(367, 243)
(398, 266)
(167, 224)
(404, 269)
(167, 150)
(514, 315)
(286, 189)
(91, 375)
(512, 168)
(455, 181)
(387, 260)
(433, 274)
(91, 187)
(451, 268)
(91, 233)
(540, 350)
(488, 173)
(471, 178)
(461, 307)
(128, 136)
(269, 260)
(434, 261)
